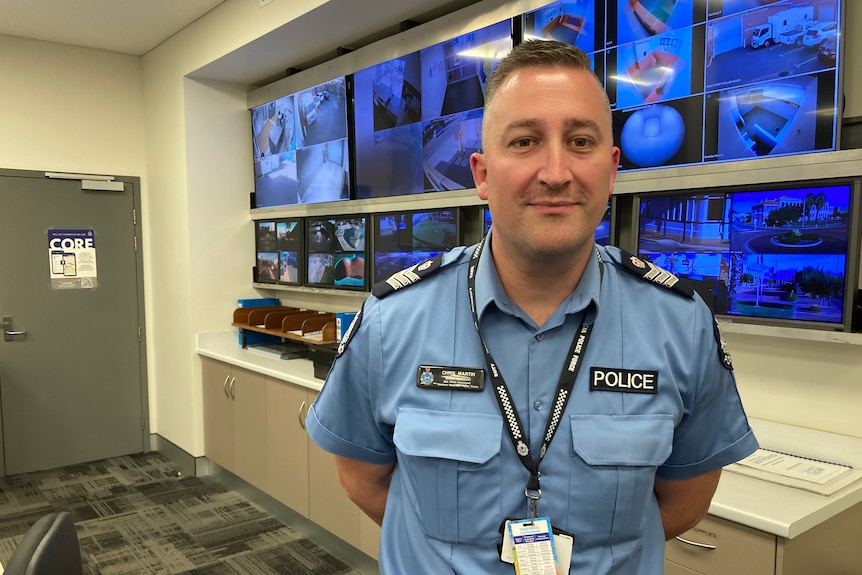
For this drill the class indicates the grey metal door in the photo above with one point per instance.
(72, 365)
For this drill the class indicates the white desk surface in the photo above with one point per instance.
(776, 509)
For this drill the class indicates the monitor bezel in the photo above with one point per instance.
(309, 221)
(852, 255)
(378, 216)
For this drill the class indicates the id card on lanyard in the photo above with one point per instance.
(562, 543)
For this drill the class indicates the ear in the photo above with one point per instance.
(480, 174)
(615, 163)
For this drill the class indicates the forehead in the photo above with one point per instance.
(547, 90)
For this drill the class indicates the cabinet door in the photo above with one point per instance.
(287, 444)
(328, 506)
(248, 392)
(218, 412)
(719, 547)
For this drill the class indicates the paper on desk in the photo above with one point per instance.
(805, 473)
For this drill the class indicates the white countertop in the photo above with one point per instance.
(776, 509)
(225, 347)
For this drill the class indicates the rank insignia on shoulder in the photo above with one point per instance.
(406, 277)
(723, 352)
(649, 271)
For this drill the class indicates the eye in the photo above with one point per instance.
(522, 143)
(580, 142)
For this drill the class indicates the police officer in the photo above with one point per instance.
(535, 374)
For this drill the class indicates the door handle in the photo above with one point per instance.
(300, 416)
(8, 334)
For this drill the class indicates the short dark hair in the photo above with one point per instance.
(537, 53)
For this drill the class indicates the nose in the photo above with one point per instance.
(555, 171)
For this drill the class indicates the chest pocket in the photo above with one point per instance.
(614, 459)
(450, 467)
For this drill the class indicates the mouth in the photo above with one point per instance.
(553, 206)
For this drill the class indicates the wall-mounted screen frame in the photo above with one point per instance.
(279, 251)
(337, 252)
(418, 117)
(701, 81)
(782, 254)
(405, 238)
(301, 149)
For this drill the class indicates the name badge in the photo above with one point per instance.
(623, 380)
(451, 378)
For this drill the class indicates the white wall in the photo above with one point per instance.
(90, 111)
(70, 109)
(198, 260)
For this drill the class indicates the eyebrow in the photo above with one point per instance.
(571, 124)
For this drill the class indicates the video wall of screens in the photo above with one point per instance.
(697, 81)
(777, 255)
(603, 234)
(279, 251)
(301, 151)
(336, 251)
(418, 118)
(402, 239)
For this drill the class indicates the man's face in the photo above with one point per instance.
(548, 165)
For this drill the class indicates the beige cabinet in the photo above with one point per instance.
(328, 505)
(330, 508)
(718, 547)
(254, 426)
(234, 426)
(287, 449)
(218, 412)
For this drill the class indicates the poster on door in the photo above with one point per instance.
(72, 259)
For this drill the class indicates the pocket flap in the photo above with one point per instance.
(459, 436)
(636, 440)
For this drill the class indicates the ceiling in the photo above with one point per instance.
(137, 26)
(126, 26)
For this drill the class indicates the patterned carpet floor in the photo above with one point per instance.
(135, 515)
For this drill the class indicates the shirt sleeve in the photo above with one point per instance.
(714, 430)
(344, 418)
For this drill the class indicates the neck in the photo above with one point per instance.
(539, 285)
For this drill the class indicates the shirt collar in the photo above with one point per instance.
(489, 289)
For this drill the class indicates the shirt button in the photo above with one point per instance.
(538, 405)
(540, 336)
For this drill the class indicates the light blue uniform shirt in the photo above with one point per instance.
(457, 475)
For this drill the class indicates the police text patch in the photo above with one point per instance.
(623, 380)
(451, 378)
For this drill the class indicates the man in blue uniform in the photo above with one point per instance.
(536, 374)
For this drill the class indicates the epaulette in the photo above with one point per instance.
(407, 277)
(651, 272)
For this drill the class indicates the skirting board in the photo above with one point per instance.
(188, 464)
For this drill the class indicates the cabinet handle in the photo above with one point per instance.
(224, 386)
(694, 543)
(233, 388)
(300, 416)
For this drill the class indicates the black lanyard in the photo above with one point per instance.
(565, 384)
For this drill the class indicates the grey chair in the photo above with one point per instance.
(50, 546)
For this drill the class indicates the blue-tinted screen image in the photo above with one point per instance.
(336, 250)
(418, 117)
(300, 147)
(402, 239)
(697, 81)
(777, 254)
